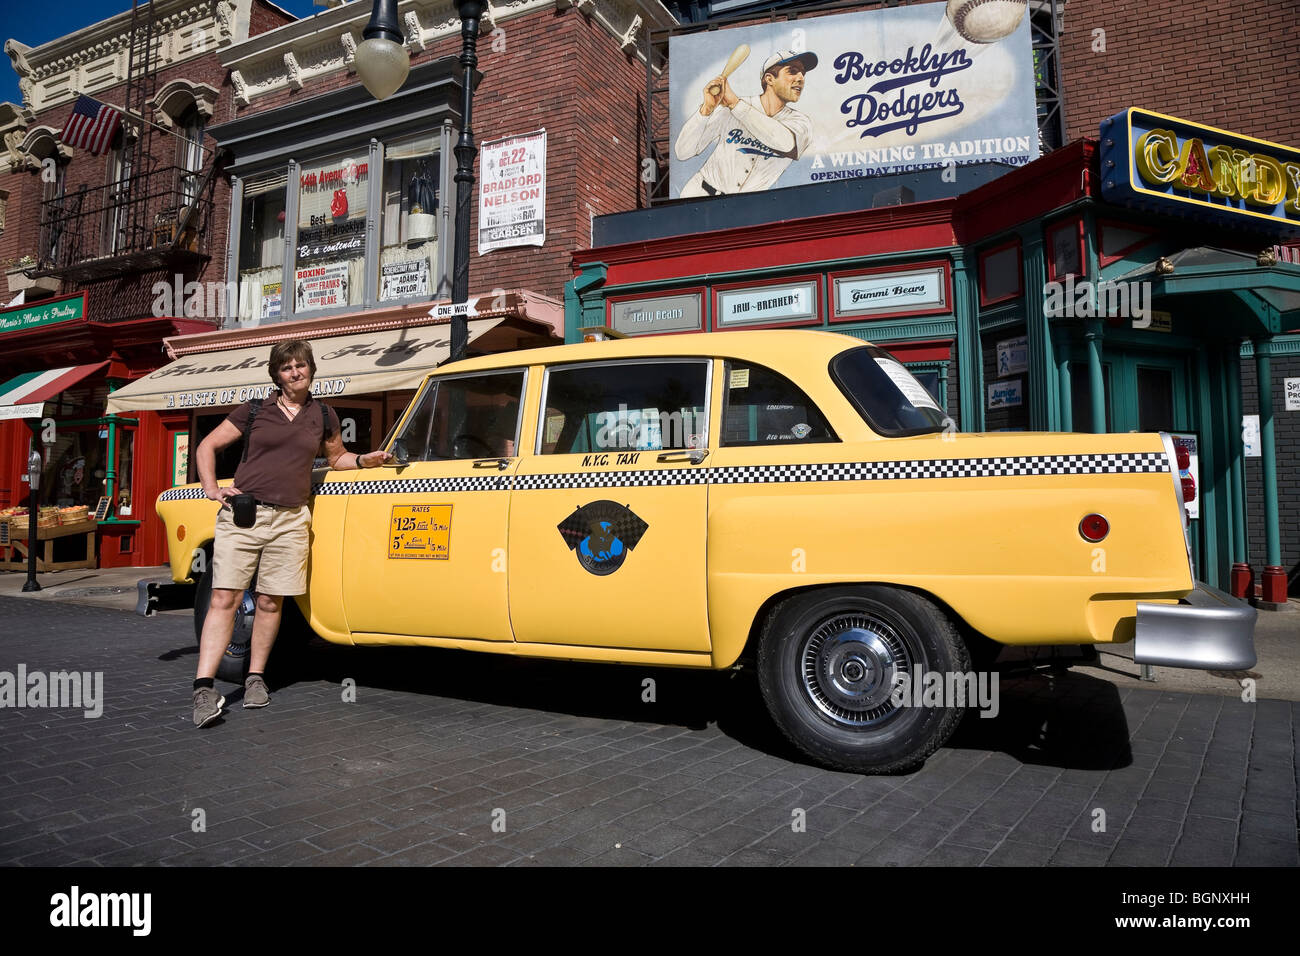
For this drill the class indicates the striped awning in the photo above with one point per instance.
(24, 396)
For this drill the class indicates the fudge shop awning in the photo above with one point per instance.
(357, 364)
(25, 395)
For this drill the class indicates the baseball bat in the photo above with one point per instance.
(738, 56)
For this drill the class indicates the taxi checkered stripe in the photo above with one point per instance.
(181, 494)
(751, 474)
(415, 486)
(613, 479)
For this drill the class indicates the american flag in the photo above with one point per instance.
(91, 125)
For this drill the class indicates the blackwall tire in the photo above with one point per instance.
(828, 666)
(234, 660)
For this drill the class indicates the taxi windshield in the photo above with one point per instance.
(886, 394)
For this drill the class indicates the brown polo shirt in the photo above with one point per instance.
(277, 468)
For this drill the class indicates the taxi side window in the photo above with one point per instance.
(635, 406)
(764, 408)
(473, 416)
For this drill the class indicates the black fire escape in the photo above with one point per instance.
(153, 214)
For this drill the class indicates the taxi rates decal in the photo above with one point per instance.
(601, 534)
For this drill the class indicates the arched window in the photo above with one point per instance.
(189, 130)
(46, 158)
(117, 211)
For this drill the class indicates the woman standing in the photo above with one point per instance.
(283, 436)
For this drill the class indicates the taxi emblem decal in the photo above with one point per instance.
(601, 534)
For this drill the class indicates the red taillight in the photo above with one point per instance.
(1182, 457)
(1094, 528)
(1189, 489)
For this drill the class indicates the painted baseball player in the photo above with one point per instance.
(757, 137)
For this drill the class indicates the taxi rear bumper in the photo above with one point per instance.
(1206, 630)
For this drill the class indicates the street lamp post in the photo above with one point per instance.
(470, 13)
(382, 64)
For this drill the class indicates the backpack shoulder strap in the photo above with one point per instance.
(254, 406)
(324, 422)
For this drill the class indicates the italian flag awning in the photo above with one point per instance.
(24, 396)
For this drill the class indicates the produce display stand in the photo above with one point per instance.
(13, 547)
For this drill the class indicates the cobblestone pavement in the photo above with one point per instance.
(458, 758)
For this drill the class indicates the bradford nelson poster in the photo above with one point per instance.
(851, 95)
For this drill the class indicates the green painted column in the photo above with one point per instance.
(1236, 451)
(970, 368)
(1263, 370)
(1096, 381)
(580, 309)
(1061, 342)
(1042, 367)
(572, 313)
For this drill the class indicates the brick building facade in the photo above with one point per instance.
(1216, 63)
(90, 236)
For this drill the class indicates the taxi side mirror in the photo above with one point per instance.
(400, 454)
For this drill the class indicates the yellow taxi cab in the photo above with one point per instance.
(796, 498)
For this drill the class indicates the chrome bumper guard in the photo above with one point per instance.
(1207, 630)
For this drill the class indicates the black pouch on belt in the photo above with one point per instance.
(243, 510)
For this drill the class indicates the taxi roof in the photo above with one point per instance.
(785, 350)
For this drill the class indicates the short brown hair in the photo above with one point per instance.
(289, 351)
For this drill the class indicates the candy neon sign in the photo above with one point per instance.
(1161, 162)
(1221, 171)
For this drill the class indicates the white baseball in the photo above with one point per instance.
(986, 21)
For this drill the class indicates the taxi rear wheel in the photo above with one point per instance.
(290, 639)
(837, 668)
(234, 660)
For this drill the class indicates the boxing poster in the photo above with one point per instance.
(863, 94)
(512, 192)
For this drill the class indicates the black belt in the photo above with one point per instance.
(269, 504)
(709, 189)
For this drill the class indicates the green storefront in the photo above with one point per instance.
(1079, 293)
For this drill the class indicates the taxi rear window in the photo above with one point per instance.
(635, 406)
(886, 394)
(764, 408)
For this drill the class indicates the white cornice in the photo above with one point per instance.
(96, 57)
(325, 43)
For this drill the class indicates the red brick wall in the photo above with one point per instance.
(560, 71)
(263, 17)
(130, 295)
(1230, 65)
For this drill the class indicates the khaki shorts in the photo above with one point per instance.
(276, 548)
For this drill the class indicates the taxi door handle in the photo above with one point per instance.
(693, 455)
(501, 464)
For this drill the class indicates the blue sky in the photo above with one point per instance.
(31, 22)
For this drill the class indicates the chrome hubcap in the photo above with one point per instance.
(850, 666)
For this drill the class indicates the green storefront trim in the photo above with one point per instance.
(24, 318)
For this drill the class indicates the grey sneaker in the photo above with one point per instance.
(255, 694)
(207, 706)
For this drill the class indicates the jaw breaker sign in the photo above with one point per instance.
(893, 90)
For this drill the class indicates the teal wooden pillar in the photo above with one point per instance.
(1042, 366)
(1061, 340)
(970, 367)
(1236, 451)
(582, 308)
(1097, 382)
(1274, 579)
